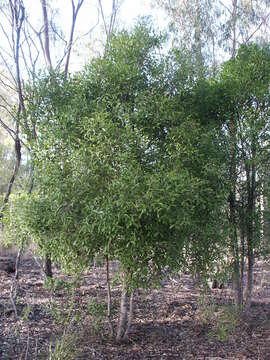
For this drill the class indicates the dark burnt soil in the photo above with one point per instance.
(175, 321)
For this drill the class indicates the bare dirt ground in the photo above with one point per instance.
(67, 320)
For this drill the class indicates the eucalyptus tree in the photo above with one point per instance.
(212, 29)
(194, 26)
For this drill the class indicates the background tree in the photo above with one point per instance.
(212, 29)
(247, 78)
(24, 45)
(194, 25)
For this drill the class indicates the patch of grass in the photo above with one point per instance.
(98, 260)
(69, 319)
(226, 322)
(64, 315)
(97, 310)
(116, 279)
(26, 312)
(65, 348)
(54, 285)
(222, 319)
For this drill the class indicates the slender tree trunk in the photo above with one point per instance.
(262, 210)
(130, 316)
(17, 264)
(235, 250)
(238, 289)
(123, 312)
(32, 179)
(109, 297)
(250, 229)
(46, 34)
(250, 278)
(250, 255)
(109, 26)
(234, 21)
(75, 11)
(242, 258)
(242, 230)
(13, 177)
(198, 40)
(233, 222)
(47, 55)
(48, 266)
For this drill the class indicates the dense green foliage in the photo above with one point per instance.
(137, 158)
(122, 166)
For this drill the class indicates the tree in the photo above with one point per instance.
(235, 106)
(247, 77)
(194, 24)
(24, 45)
(125, 172)
(209, 28)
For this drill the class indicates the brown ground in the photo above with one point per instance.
(173, 322)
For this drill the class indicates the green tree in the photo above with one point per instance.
(235, 106)
(122, 169)
(247, 77)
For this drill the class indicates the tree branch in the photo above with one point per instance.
(75, 11)
(46, 34)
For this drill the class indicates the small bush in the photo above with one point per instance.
(65, 348)
(226, 321)
(221, 319)
(95, 308)
(54, 285)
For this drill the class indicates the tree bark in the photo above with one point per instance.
(250, 278)
(234, 20)
(251, 179)
(237, 287)
(198, 40)
(109, 297)
(238, 290)
(13, 177)
(130, 316)
(233, 221)
(48, 266)
(46, 34)
(70, 43)
(242, 258)
(123, 312)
